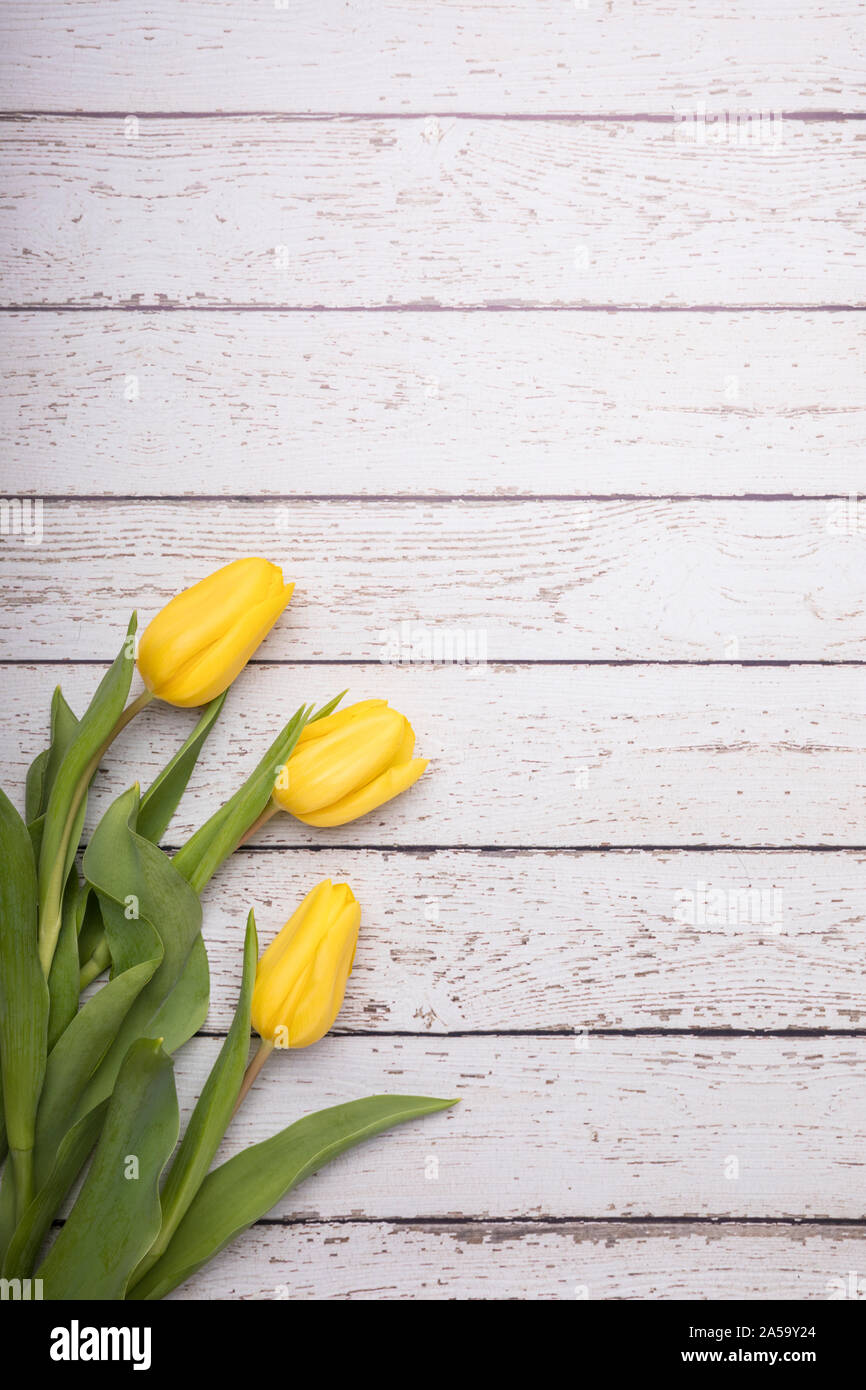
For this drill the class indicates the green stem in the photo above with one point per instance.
(99, 961)
(51, 914)
(199, 874)
(252, 1071)
(269, 811)
(22, 1161)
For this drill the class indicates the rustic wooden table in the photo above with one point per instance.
(471, 317)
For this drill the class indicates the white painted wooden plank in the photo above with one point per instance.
(433, 403)
(406, 55)
(550, 1127)
(484, 942)
(357, 1260)
(442, 212)
(529, 755)
(507, 580)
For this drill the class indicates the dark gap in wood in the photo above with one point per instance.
(492, 307)
(506, 661)
(298, 117)
(732, 848)
(826, 1222)
(785, 1034)
(426, 498)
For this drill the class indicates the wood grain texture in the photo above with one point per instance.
(403, 55)
(570, 1260)
(466, 941)
(289, 404)
(556, 1127)
(462, 580)
(529, 755)
(444, 212)
(486, 972)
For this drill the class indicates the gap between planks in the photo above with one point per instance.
(502, 306)
(562, 118)
(422, 498)
(444, 1222)
(539, 1034)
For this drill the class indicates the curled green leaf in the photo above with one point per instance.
(211, 1116)
(147, 907)
(24, 999)
(64, 813)
(201, 856)
(116, 1217)
(160, 801)
(34, 1225)
(242, 1190)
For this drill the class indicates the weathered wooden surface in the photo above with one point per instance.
(463, 580)
(107, 403)
(576, 1127)
(405, 55)
(569, 1260)
(460, 941)
(528, 755)
(440, 211)
(480, 968)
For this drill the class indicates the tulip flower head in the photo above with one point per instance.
(301, 977)
(348, 764)
(195, 647)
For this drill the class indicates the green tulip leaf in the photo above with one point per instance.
(146, 906)
(34, 787)
(156, 808)
(74, 1060)
(210, 1118)
(64, 974)
(201, 856)
(40, 780)
(91, 930)
(64, 813)
(185, 1008)
(328, 708)
(245, 1188)
(159, 980)
(24, 998)
(8, 1206)
(116, 1217)
(43, 770)
(62, 979)
(35, 1223)
(160, 801)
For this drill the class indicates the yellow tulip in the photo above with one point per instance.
(348, 764)
(194, 648)
(301, 978)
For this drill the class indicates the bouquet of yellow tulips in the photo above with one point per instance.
(87, 1073)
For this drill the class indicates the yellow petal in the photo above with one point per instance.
(301, 977)
(325, 770)
(196, 646)
(322, 999)
(339, 719)
(358, 803)
(274, 980)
